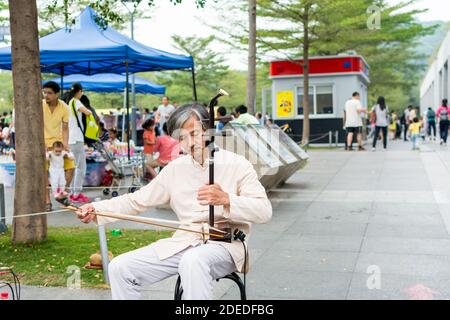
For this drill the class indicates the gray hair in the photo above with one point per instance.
(182, 114)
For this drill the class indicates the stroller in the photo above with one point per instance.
(126, 174)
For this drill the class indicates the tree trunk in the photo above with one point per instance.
(30, 148)
(251, 80)
(306, 128)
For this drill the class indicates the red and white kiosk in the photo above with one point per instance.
(333, 79)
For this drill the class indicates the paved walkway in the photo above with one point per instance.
(357, 225)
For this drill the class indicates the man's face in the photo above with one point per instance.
(49, 95)
(191, 138)
(357, 97)
(165, 101)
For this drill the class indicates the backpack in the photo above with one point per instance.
(91, 129)
(431, 116)
(443, 115)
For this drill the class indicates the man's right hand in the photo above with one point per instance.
(85, 213)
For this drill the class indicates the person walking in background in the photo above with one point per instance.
(380, 111)
(260, 118)
(164, 112)
(423, 129)
(147, 114)
(414, 130)
(443, 118)
(353, 121)
(431, 119)
(76, 141)
(406, 122)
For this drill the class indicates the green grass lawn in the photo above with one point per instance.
(46, 263)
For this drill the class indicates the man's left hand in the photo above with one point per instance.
(213, 195)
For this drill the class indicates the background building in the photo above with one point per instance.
(333, 79)
(435, 85)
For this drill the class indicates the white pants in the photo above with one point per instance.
(57, 179)
(80, 167)
(197, 266)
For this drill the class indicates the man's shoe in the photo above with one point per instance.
(361, 149)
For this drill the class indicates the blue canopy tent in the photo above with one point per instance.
(110, 82)
(88, 48)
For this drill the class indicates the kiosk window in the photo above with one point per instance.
(320, 100)
(300, 100)
(324, 96)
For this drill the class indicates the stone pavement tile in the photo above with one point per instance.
(405, 264)
(297, 243)
(352, 186)
(402, 185)
(306, 196)
(406, 246)
(406, 231)
(298, 285)
(399, 287)
(339, 212)
(341, 207)
(442, 197)
(283, 207)
(290, 260)
(423, 219)
(327, 228)
(405, 208)
(276, 195)
(332, 196)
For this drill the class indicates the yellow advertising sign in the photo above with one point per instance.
(285, 104)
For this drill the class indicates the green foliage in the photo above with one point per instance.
(209, 70)
(6, 91)
(338, 26)
(55, 14)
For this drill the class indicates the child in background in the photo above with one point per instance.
(149, 140)
(113, 136)
(414, 129)
(393, 126)
(423, 131)
(56, 169)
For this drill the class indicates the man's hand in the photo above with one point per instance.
(84, 213)
(213, 195)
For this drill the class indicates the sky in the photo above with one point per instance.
(185, 20)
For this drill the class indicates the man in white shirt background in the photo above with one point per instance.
(164, 112)
(353, 121)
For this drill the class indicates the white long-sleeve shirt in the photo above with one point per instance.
(178, 185)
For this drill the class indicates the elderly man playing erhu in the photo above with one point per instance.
(238, 197)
